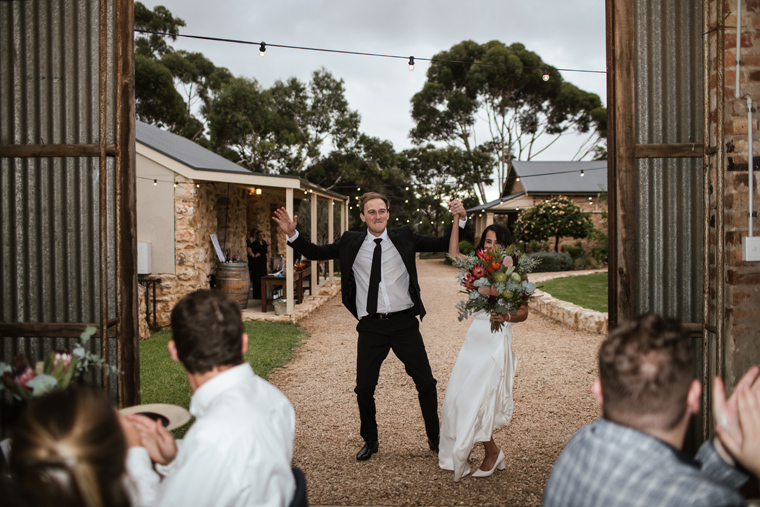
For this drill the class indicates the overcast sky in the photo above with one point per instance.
(567, 34)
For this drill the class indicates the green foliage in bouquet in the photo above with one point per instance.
(503, 269)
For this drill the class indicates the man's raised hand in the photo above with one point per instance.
(726, 411)
(457, 208)
(283, 219)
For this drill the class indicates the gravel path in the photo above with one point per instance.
(555, 369)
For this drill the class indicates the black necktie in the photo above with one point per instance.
(374, 278)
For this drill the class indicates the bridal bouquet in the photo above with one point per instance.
(57, 371)
(503, 269)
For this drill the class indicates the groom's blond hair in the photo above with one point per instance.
(370, 196)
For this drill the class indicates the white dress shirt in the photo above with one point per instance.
(394, 278)
(238, 451)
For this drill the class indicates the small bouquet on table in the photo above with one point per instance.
(504, 271)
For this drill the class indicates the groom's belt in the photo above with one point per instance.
(391, 315)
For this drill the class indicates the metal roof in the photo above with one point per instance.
(184, 150)
(562, 177)
(497, 201)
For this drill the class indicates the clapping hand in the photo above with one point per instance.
(731, 416)
(156, 439)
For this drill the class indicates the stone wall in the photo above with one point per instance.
(741, 280)
(201, 209)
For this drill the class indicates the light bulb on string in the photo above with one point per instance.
(263, 49)
(518, 179)
(198, 185)
(582, 173)
(175, 184)
(258, 191)
(411, 63)
(545, 77)
(155, 182)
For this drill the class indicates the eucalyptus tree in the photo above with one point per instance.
(499, 92)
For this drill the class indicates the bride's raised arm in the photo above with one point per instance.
(454, 240)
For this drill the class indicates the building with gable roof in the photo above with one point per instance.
(531, 182)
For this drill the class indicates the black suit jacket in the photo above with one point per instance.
(345, 249)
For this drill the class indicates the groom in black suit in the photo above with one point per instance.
(380, 288)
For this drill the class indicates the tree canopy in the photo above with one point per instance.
(558, 217)
(500, 91)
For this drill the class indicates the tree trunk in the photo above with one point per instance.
(556, 244)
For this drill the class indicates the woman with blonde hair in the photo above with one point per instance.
(69, 449)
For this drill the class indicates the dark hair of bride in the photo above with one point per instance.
(503, 236)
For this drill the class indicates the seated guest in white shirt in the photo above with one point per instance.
(239, 449)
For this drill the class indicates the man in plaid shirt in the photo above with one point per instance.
(632, 455)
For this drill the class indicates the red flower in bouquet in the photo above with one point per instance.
(478, 271)
(495, 282)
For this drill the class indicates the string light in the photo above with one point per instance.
(175, 184)
(258, 191)
(518, 179)
(284, 46)
(545, 77)
(582, 175)
(197, 185)
(155, 182)
(411, 63)
(263, 49)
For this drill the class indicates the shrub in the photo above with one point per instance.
(575, 251)
(466, 247)
(536, 246)
(586, 262)
(553, 261)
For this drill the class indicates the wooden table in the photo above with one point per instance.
(280, 280)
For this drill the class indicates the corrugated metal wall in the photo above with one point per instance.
(669, 191)
(50, 207)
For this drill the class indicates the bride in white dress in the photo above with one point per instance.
(479, 393)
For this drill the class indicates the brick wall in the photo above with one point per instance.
(741, 301)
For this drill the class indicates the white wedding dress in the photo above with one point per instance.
(479, 393)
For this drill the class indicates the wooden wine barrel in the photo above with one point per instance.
(233, 278)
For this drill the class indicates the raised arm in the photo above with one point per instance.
(287, 224)
(457, 209)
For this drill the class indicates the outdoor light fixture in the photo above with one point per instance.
(582, 173)
(545, 77)
(175, 184)
(258, 191)
(411, 63)
(263, 49)
(518, 179)
(198, 185)
(155, 182)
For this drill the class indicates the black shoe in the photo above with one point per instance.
(433, 443)
(367, 451)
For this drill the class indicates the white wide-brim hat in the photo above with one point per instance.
(171, 416)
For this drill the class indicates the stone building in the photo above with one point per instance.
(186, 194)
(531, 182)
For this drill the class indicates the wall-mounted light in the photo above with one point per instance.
(263, 49)
(411, 63)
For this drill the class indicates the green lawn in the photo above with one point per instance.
(588, 291)
(164, 381)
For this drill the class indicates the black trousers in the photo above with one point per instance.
(402, 335)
